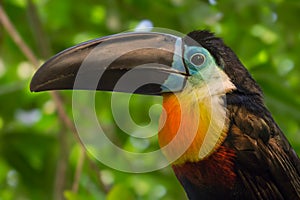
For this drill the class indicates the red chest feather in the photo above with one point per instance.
(217, 169)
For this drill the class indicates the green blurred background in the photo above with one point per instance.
(39, 156)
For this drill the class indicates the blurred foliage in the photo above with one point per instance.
(265, 34)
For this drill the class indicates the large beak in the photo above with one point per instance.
(143, 63)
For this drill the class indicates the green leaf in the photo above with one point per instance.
(120, 191)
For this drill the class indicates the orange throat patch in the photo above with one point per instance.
(191, 128)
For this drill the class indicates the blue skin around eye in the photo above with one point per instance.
(189, 52)
(176, 82)
(203, 73)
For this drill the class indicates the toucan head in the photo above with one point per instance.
(143, 63)
(198, 68)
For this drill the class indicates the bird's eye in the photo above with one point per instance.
(197, 59)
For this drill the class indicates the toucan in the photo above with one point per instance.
(212, 106)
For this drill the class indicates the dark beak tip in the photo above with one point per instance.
(34, 83)
(37, 83)
(33, 89)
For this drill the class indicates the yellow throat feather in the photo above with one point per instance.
(194, 122)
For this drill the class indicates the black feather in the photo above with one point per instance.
(226, 59)
(265, 165)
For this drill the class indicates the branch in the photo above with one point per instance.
(12, 31)
(78, 171)
(9, 27)
(61, 168)
(67, 122)
(94, 167)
